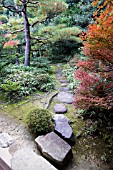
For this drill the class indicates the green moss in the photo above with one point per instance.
(20, 109)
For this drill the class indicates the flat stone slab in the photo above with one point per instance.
(54, 149)
(63, 81)
(65, 97)
(61, 118)
(63, 129)
(65, 89)
(3, 165)
(5, 140)
(26, 159)
(60, 108)
(5, 156)
(64, 84)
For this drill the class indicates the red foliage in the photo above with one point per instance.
(96, 73)
(10, 44)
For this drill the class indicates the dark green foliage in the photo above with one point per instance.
(62, 51)
(18, 81)
(63, 41)
(41, 63)
(40, 121)
(79, 13)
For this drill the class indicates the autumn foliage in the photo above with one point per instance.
(96, 73)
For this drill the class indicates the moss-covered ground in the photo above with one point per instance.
(89, 150)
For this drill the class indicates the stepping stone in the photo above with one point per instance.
(5, 140)
(60, 118)
(54, 149)
(63, 81)
(26, 159)
(65, 97)
(64, 89)
(64, 84)
(60, 108)
(63, 129)
(59, 75)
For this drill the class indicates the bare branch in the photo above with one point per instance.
(38, 39)
(16, 31)
(12, 8)
(34, 3)
(32, 25)
(105, 71)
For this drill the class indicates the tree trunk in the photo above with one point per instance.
(27, 36)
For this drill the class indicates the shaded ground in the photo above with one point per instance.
(88, 150)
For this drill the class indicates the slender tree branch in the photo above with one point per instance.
(39, 39)
(105, 71)
(34, 3)
(32, 25)
(16, 31)
(12, 8)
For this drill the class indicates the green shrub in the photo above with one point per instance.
(40, 121)
(18, 81)
(10, 86)
(69, 72)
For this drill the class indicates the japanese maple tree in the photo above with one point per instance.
(96, 73)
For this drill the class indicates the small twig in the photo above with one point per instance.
(50, 99)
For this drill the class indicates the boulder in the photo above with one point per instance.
(60, 108)
(55, 149)
(65, 97)
(26, 159)
(5, 140)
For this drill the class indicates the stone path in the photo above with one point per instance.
(24, 140)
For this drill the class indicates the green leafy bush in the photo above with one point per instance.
(41, 63)
(69, 71)
(10, 86)
(28, 79)
(40, 121)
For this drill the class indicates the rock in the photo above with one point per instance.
(54, 149)
(63, 84)
(63, 129)
(59, 75)
(63, 81)
(65, 97)
(64, 89)
(60, 118)
(5, 140)
(26, 159)
(60, 108)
